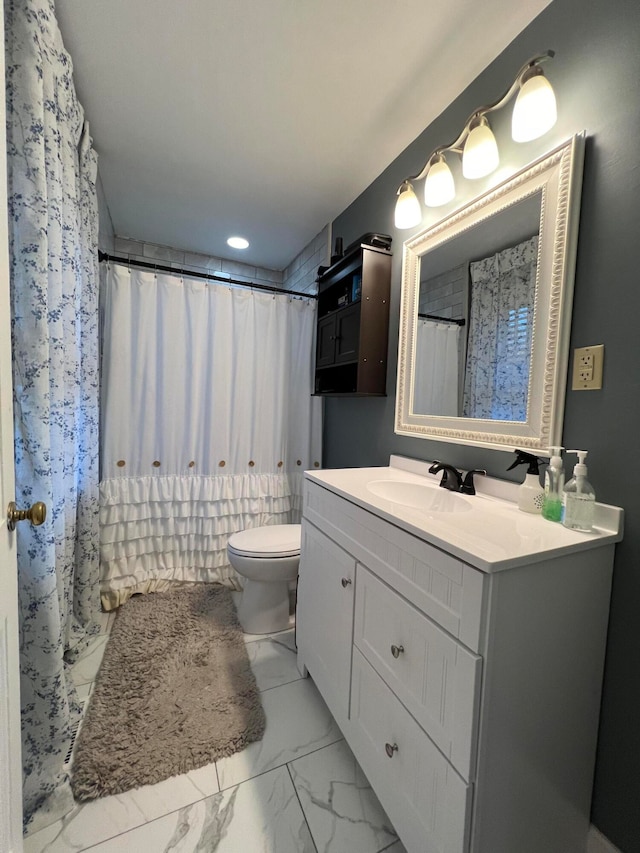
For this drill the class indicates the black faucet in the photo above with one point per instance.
(451, 477)
(468, 487)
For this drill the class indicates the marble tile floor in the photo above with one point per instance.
(299, 789)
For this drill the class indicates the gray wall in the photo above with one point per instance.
(596, 74)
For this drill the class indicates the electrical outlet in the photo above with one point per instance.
(587, 368)
(585, 374)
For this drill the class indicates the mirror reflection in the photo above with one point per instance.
(475, 313)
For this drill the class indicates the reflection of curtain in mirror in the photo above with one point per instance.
(500, 327)
(436, 369)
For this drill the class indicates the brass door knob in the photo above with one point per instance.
(35, 514)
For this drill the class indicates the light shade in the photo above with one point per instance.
(439, 187)
(408, 213)
(534, 112)
(480, 155)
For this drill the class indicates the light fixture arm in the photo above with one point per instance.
(457, 143)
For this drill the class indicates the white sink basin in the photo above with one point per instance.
(428, 498)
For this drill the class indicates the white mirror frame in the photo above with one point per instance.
(558, 176)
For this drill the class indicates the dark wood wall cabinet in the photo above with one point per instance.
(353, 324)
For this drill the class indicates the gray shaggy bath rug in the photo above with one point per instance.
(175, 691)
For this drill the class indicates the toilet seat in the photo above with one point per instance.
(276, 540)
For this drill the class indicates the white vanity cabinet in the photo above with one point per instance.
(325, 608)
(469, 696)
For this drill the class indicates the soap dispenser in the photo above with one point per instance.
(530, 493)
(579, 497)
(553, 487)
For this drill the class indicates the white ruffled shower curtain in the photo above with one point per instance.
(436, 368)
(207, 424)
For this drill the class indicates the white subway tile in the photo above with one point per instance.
(266, 274)
(162, 253)
(237, 269)
(125, 246)
(195, 259)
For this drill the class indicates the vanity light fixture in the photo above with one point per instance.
(439, 187)
(407, 207)
(480, 153)
(238, 243)
(534, 114)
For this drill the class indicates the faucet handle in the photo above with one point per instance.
(451, 477)
(468, 487)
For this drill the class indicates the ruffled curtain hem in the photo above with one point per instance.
(155, 531)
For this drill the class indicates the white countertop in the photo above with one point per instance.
(492, 535)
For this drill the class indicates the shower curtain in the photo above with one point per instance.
(436, 368)
(503, 289)
(53, 224)
(207, 424)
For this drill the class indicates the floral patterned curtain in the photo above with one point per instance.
(54, 273)
(500, 328)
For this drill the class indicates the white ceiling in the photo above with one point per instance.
(265, 118)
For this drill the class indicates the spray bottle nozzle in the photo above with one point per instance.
(524, 458)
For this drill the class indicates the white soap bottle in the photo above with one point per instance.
(579, 497)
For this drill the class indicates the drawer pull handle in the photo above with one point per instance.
(390, 748)
(346, 582)
(396, 651)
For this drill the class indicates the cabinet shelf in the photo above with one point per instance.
(353, 324)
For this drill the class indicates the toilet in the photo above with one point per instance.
(267, 558)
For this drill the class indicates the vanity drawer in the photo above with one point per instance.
(449, 591)
(436, 678)
(427, 801)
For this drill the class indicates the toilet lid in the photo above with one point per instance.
(276, 540)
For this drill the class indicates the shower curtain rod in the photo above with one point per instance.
(442, 319)
(103, 256)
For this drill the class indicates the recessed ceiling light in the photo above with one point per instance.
(238, 242)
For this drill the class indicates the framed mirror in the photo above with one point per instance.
(486, 311)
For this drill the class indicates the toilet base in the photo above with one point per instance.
(264, 607)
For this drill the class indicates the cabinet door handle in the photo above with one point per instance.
(390, 748)
(396, 651)
(346, 581)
